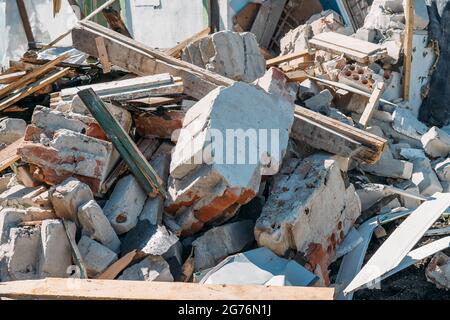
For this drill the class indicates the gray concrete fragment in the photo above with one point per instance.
(442, 168)
(152, 268)
(96, 257)
(96, 226)
(11, 130)
(67, 197)
(125, 204)
(406, 123)
(56, 256)
(436, 142)
(148, 239)
(438, 271)
(220, 242)
(425, 178)
(23, 256)
(319, 101)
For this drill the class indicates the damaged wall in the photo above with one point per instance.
(45, 27)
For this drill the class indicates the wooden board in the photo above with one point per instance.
(32, 76)
(333, 136)
(408, 45)
(139, 59)
(176, 51)
(244, 19)
(401, 241)
(373, 104)
(34, 87)
(8, 156)
(11, 77)
(117, 267)
(103, 54)
(55, 288)
(286, 58)
(358, 50)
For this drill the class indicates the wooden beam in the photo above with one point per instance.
(26, 24)
(56, 288)
(103, 54)
(8, 78)
(115, 22)
(408, 44)
(8, 156)
(286, 58)
(374, 100)
(325, 133)
(117, 267)
(139, 59)
(34, 87)
(32, 76)
(176, 51)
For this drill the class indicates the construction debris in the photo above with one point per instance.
(276, 153)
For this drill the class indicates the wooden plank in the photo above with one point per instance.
(333, 136)
(139, 59)
(374, 100)
(26, 24)
(8, 156)
(401, 241)
(117, 267)
(34, 87)
(139, 166)
(33, 75)
(358, 50)
(408, 44)
(103, 54)
(55, 288)
(176, 51)
(296, 76)
(11, 77)
(115, 22)
(286, 58)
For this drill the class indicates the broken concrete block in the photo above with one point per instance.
(274, 81)
(310, 209)
(296, 40)
(67, 197)
(22, 257)
(209, 171)
(406, 123)
(365, 35)
(326, 21)
(12, 217)
(97, 226)
(436, 142)
(438, 271)
(57, 145)
(11, 130)
(307, 89)
(20, 196)
(152, 268)
(231, 54)
(96, 257)
(5, 180)
(425, 178)
(148, 239)
(442, 169)
(370, 193)
(410, 187)
(387, 166)
(153, 207)
(56, 256)
(125, 204)
(220, 242)
(319, 101)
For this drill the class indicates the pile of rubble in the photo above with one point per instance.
(235, 169)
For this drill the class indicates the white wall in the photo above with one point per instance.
(45, 27)
(164, 23)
